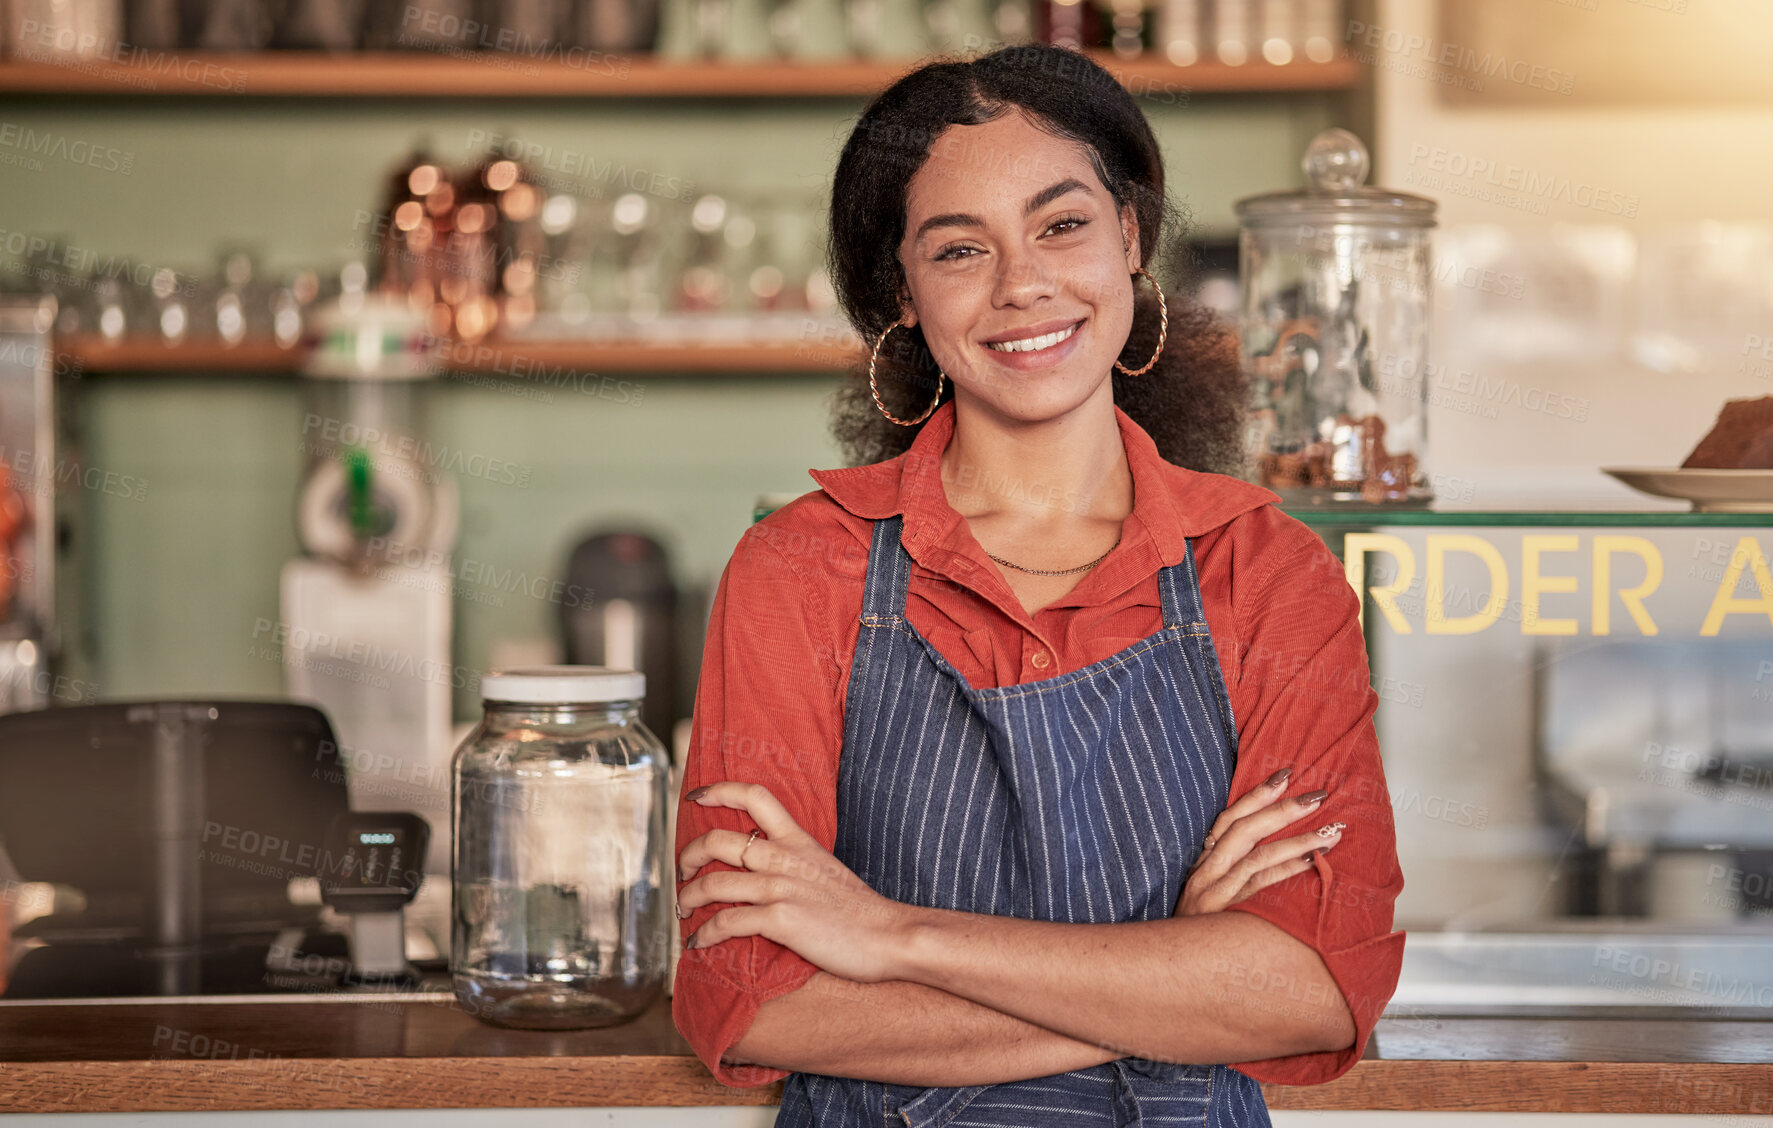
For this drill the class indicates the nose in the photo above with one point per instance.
(1021, 279)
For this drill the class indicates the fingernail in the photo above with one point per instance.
(1330, 831)
(1311, 798)
(699, 792)
(691, 942)
(1208, 844)
(682, 912)
(1279, 777)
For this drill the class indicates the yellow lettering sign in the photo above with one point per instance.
(1533, 585)
(1355, 547)
(1439, 544)
(1633, 598)
(1747, 552)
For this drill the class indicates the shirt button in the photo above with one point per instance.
(1041, 660)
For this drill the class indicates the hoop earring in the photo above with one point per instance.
(875, 388)
(1163, 327)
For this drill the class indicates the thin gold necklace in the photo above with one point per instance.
(1061, 571)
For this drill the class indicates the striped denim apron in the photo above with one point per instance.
(1079, 798)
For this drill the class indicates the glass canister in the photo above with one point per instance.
(559, 852)
(1337, 290)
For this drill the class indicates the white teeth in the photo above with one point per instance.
(1033, 344)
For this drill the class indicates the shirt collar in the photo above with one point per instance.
(1170, 503)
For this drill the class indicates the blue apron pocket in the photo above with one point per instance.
(933, 1108)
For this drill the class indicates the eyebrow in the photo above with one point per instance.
(1035, 202)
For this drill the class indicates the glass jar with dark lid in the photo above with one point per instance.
(1337, 289)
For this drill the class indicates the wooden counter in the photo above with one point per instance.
(142, 1057)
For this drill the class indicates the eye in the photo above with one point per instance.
(1064, 225)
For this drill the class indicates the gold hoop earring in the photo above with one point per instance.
(875, 388)
(1163, 327)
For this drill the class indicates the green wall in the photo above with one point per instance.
(167, 587)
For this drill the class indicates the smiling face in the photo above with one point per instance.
(1019, 267)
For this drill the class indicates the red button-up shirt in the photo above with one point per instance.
(782, 633)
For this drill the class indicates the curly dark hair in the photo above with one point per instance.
(1191, 402)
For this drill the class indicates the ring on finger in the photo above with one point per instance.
(747, 846)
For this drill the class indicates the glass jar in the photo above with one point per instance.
(1337, 289)
(559, 852)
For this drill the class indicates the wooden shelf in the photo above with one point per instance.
(499, 75)
(515, 359)
(87, 354)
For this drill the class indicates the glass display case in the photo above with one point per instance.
(1581, 775)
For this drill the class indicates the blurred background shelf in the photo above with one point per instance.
(514, 358)
(493, 74)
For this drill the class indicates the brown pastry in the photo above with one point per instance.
(1741, 439)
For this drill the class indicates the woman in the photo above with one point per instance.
(1023, 756)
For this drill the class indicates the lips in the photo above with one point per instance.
(1066, 337)
(1034, 338)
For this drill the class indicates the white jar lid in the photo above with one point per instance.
(562, 685)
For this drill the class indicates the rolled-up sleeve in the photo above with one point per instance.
(765, 712)
(1303, 682)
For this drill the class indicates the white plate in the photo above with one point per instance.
(1710, 491)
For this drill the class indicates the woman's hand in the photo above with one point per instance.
(790, 890)
(1232, 867)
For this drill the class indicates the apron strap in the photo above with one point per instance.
(1179, 587)
(1183, 607)
(889, 574)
